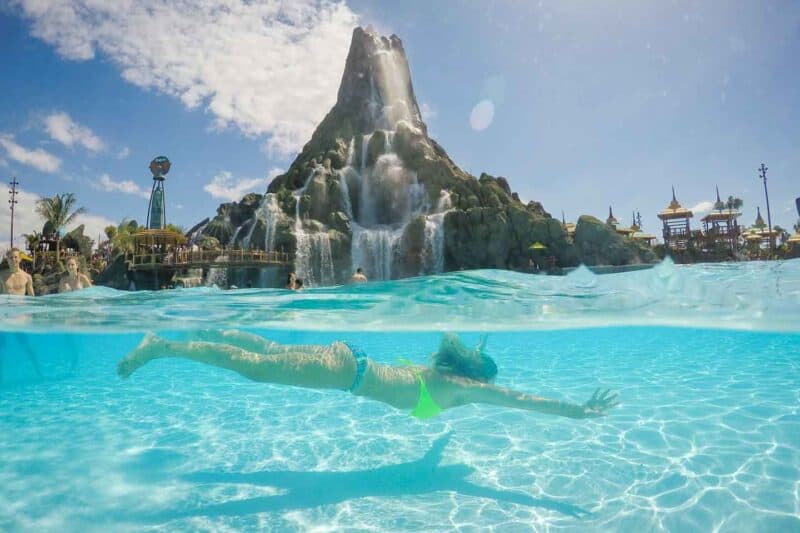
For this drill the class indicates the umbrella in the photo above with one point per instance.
(537, 246)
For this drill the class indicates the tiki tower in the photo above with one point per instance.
(676, 225)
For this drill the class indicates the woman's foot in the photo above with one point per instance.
(148, 349)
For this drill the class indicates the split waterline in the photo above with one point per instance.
(753, 296)
(705, 359)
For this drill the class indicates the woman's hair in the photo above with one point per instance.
(455, 358)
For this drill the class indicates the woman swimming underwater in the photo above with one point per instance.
(457, 375)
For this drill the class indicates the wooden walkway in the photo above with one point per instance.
(180, 259)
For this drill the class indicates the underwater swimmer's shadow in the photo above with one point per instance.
(313, 489)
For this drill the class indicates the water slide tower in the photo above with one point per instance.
(156, 211)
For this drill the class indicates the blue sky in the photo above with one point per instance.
(579, 105)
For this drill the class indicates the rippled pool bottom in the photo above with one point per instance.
(707, 436)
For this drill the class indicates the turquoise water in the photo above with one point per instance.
(706, 360)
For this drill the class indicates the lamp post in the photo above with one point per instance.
(13, 201)
(762, 173)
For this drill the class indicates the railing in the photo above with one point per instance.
(49, 259)
(201, 258)
(675, 232)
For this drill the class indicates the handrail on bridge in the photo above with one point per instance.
(231, 257)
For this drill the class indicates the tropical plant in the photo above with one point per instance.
(220, 228)
(734, 204)
(783, 235)
(175, 228)
(122, 237)
(32, 240)
(58, 211)
(110, 231)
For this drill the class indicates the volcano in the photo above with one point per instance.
(371, 189)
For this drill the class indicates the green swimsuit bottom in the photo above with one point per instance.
(426, 406)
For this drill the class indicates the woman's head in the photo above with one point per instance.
(72, 265)
(455, 358)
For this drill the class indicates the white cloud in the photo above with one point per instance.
(36, 158)
(269, 68)
(26, 220)
(482, 115)
(702, 207)
(125, 152)
(62, 128)
(224, 187)
(107, 183)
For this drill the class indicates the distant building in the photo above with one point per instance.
(721, 227)
(758, 237)
(676, 230)
(614, 223)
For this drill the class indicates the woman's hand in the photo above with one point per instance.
(599, 403)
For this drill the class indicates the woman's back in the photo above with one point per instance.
(402, 386)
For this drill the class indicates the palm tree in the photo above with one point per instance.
(175, 228)
(220, 228)
(58, 211)
(110, 231)
(121, 237)
(32, 240)
(734, 204)
(783, 235)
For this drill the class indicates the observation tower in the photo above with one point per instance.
(156, 211)
(676, 225)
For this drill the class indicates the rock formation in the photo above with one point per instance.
(598, 243)
(372, 189)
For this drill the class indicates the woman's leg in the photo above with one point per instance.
(248, 341)
(321, 367)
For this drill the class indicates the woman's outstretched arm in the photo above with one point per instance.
(597, 405)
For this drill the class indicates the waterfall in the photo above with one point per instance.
(236, 234)
(217, 275)
(374, 250)
(433, 247)
(343, 176)
(389, 140)
(389, 197)
(269, 213)
(272, 212)
(445, 202)
(313, 255)
(394, 87)
(379, 195)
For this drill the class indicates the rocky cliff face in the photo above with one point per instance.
(597, 243)
(371, 189)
